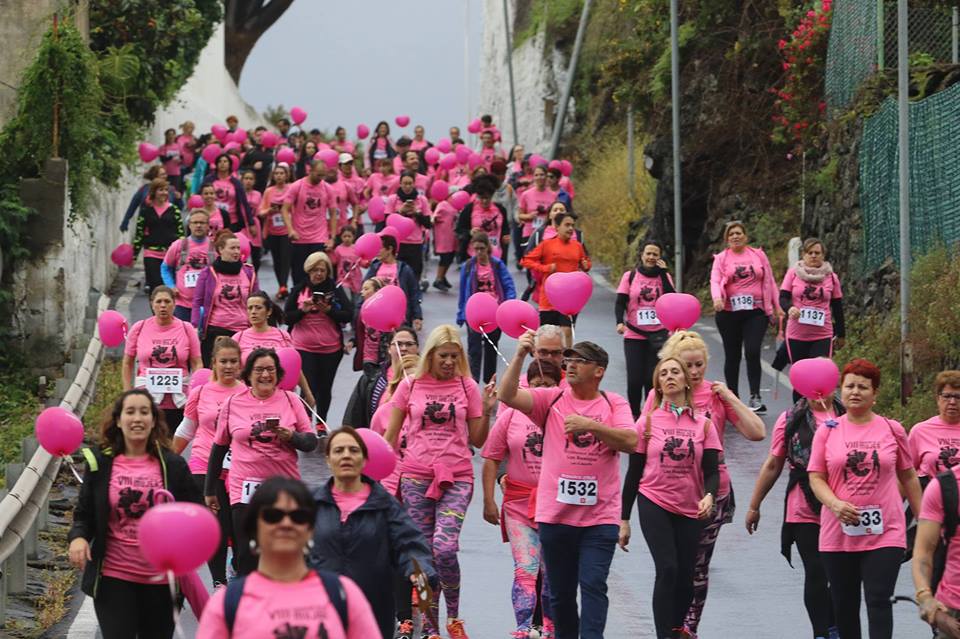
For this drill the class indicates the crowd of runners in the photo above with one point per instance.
(226, 385)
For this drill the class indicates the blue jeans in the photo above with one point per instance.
(581, 557)
(181, 313)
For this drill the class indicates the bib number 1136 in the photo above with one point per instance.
(577, 491)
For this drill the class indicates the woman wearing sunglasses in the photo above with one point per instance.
(263, 427)
(284, 597)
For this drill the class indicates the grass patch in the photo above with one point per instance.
(109, 386)
(19, 408)
(557, 16)
(54, 603)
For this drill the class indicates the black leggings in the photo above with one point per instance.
(279, 247)
(806, 350)
(876, 570)
(673, 541)
(245, 558)
(403, 597)
(128, 610)
(641, 360)
(320, 369)
(816, 589)
(256, 254)
(412, 254)
(173, 417)
(151, 272)
(206, 344)
(742, 331)
(218, 563)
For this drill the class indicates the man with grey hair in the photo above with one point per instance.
(549, 343)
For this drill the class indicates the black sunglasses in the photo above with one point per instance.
(299, 516)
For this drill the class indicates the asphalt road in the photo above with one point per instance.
(753, 591)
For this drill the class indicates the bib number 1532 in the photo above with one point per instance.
(577, 492)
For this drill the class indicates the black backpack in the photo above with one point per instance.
(330, 581)
(949, 493)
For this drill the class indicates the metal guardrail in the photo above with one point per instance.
(24, 508)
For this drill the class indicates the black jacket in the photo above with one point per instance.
(157, 231)
(341, 311)
(92, 512)
(377, 542)
(465, 226)
(261, 175)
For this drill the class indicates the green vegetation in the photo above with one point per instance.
(557, 17)
(19, 408)
(108, 388)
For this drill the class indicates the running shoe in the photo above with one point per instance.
(404, 630)
(455, 629)
(757, 405)
(439, 285)
(282, 294)
(424, 285)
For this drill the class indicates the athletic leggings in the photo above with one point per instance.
(151, 272)
(218, 563)
(672, 540)
(816, 589)
(440, 522)
(701, 571)
(128, 610)
(742, 332)
(320, 369)
(799, 349)
(244, 556)
(641, 360)
(876, 571)
(256, 254)
(279, 247)
(527, 565)
(412, 254)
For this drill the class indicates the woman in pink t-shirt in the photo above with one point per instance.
(857, 469)
(188, 146)
(124, 473)
(285, 597)
(254, 199)
(935, 443)
(170, 155)
(446, 416)
(263, 427)
(349, 266)
(534, 203)
(276, 239)
(518, 440)
(199, 426)
(160, 353)
(159, 225)
(410, 204)
(745, 300)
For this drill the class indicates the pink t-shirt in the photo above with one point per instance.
(227, 198)
(254, 198)
(156, 346)
(534, 201)
(272, 206)
(382, 185)
(346, 260)
(133, 482)
(931, 509)
(579, 469)
(641, 294)
(437, 412)
(517, 439)
(934, 446)
(249, 339)
(187, 275)
(315, 332)
(813, 300)
(798, 509)
(257, 453)
(567, 185)
(673, 474)
(349, 502)
(420, 205)
(444, 223)
(743, 280)
(277, 609)
(309, 213)
(378, 424)
(203, 406)
(342, 199)
(230, 300)
(861, 463)
(486, 279)
(387, 273)
(490, 221)
(170, 156)
(357, 185)
(185, 142)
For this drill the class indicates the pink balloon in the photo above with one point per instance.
(404, 225)
(431, 156)
(368, 246)
(112, 327)
(481, 312)
(363, 131)
(459, 200)
(234, 163)
(148, 152)
(569, 292)
(59, 431)
(386, 309)
(375, 209)
(220, 132)
(286, 155)
(402, 120)
(211, 152)
(444, 145)
(269, 139)
(814, 378)
(556, 164)
(448, 162)
(381, 459)
(516, 317)
(323, 146)
(231, 146)
(298, 115)
(329, 157)
(475, 160)
(178, 537)
(392, 232)
(566, 168)
(677, 311)
(440, 190)
(244, 245)
(463, 153)
(537, 160)
(239, 136)
(200, 377)
(475, 126)
(291, 363)
(195, 202)
(122, 255)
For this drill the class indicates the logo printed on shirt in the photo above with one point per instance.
(160, 356)
(812, 292)
(649, 293)
(221, 194)
(132, 504)
(437, 416)
(858, 465)
(197, 261)
(744, 272)
(230, 292)
(582, 439)
(948, 457)
(312, 203)
(533, 444)
(677, 450)
(261, 433)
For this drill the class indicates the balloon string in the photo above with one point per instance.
(73, 468)
(535, 358)
(309, 408)
(400, 361)
(573, 330)
(490, 342)
(172, 581)
(347, 274)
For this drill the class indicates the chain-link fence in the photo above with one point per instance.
(929, 34)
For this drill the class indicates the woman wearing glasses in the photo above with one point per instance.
(263, 428)
(935, 443)
(284, 597)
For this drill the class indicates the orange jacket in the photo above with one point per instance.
(565, 255)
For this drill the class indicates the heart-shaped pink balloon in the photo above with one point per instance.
(404, 225)
(677, 311)
(569, 292)
(516, 317)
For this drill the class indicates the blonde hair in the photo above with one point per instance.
(682, 341)
(441, 336)
(407, 361)
(315, 258)
(687, 393)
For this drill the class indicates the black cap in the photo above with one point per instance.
(404, 141)
(590, 352)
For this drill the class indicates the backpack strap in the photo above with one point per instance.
(949, 492)
(231, 602)
(336, 595)
(543, 424)
(92, 462)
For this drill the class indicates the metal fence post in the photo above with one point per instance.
(880, 35)
(955, 36)
(15, 570)
(631, 155)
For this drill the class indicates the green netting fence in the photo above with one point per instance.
(934, 177)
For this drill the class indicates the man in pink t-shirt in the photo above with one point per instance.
(310, 216)
(584, 430)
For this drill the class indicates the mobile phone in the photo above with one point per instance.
(317, 297)
(273, 423)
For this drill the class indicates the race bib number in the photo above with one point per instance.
(577, 491)
(812, 316)
(277, 220)
(164, 380)
(249, 487)
(190, 278)
(741, 302)
(871, 523)
(228, 459)
(647, 317)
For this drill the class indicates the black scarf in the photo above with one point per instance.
(406, 197)
(649, 272)
(227, 268)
